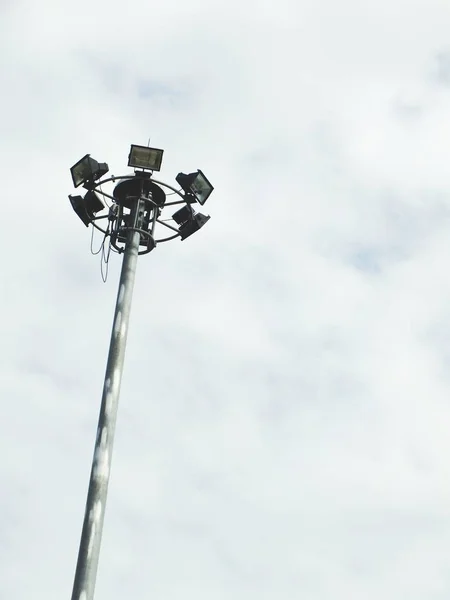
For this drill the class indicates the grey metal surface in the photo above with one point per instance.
(89, 551)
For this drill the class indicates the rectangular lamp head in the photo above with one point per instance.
(142, 157)
(201, 187)
(190, 227)
(86, 208)
(195, 184)
(183, 215)
(93, 203)
(79, 208)
(87, 170)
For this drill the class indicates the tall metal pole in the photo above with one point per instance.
(88, 555)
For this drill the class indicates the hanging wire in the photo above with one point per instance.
(92, 243)
(104, 265)
(105, 251)
(104, 260)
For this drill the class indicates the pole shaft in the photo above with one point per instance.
(89, 551)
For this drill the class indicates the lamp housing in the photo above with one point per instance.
(87, 207)
(196, 185)
(93, 203)
(143, 157)
(87, 170)
(189, 222)
(183, 215)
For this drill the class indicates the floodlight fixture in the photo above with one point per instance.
(183, 215)
(196, 185)
(143, 157)
(77, 203)
(87, 170)
(189, 221)
(93, 203)
(192, 226)
(130, 226)
(87, 207)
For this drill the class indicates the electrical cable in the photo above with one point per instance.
(92, 243)
(104, 264)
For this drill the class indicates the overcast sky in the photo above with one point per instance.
(284, 420)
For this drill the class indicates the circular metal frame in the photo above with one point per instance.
(97, 187)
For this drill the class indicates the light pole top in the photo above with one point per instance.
(120, 194)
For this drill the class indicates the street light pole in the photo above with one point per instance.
(89, 551)
(131, 228)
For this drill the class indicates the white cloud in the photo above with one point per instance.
(283, 425)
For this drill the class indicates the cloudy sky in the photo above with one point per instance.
(285, 410)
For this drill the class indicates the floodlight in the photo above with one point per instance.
(183, 215)
(93, 203)
(142, 157)
(189, 221)
(131, 225)
(195, 184)
(87, 207)
(87, 170)
(191, 227)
